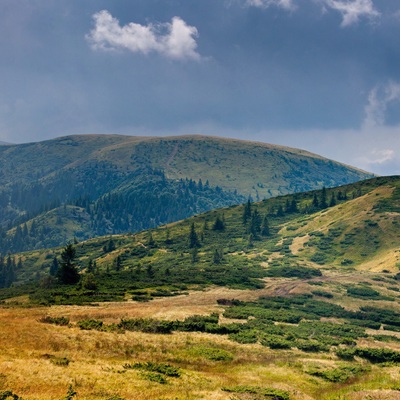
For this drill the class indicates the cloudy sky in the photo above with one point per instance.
(322, 75)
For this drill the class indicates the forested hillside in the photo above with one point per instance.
(83, 186)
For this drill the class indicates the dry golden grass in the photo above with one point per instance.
(96, 358)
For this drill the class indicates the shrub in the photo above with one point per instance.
(62, 321)
(276, 343)
(346, 354)
(341, 374)
(268, 393)
(213, 353)
(165, 369)
(8, 394)
(322, 293)
(293, 272)
(90, 324)
(245, 336)
(378, 355)
(146, 325)
(363, 292)
(310, 346)
(155, 377)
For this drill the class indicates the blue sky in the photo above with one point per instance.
(322, 75)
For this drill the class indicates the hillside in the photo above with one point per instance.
(290, 298)
(127, 184)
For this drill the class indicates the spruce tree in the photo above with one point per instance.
(218, 224)
(54, 267)
(255, 224)
(323, 203)
(68, 272)
(193, 239)
(265, 227)
(246, 212)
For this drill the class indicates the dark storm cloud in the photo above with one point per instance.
(282, 71)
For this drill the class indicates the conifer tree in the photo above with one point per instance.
(54, 267)
(265, 227)
(218, 224)
(246, 212)
(68, 272)
(193, 238)
(255, 223)
(323, 203)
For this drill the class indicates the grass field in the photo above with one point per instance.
(46, 361)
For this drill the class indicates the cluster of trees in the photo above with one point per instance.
(146, 199)
(153, 200)
(254, 221)
(8, 268)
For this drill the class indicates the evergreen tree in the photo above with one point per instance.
(218, 224)
(332, 201)
(293, 206)
(255, 223)
(315, 202)
(217, 256)
(194, 255)
(54, 267)
(193, 238)
(68, 272)
(280, 212)
(323, 203)
(265, 227)
(118, 263)
(246, 212)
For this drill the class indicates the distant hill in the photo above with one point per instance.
(91, 185)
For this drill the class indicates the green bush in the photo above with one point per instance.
(245, 336)
(341, 374)
(346, 354)
(322, 293)
(165, 369)
(62, 321)
(213, 353)
(276, 343)
(311, 346)
(363, 292)
(378, 355)
(268, 393)
(90, 324)
(146, 325)
(8, 394)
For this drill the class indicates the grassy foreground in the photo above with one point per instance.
(46, 361)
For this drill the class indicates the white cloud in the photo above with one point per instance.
(285, 4)
(174, 40)
(378, 157)
(378, 100)
(352, 10)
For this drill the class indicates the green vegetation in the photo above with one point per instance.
(85, 186)
(266, 393)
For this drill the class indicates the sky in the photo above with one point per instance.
(321, 75)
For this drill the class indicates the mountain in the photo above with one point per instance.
(127, 184)
(291, 298)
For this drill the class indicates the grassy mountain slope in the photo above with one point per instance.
(359, 232)
(307, 309)
(91, 169)
(248, 167)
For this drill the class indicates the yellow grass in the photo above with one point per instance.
(97, 358)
